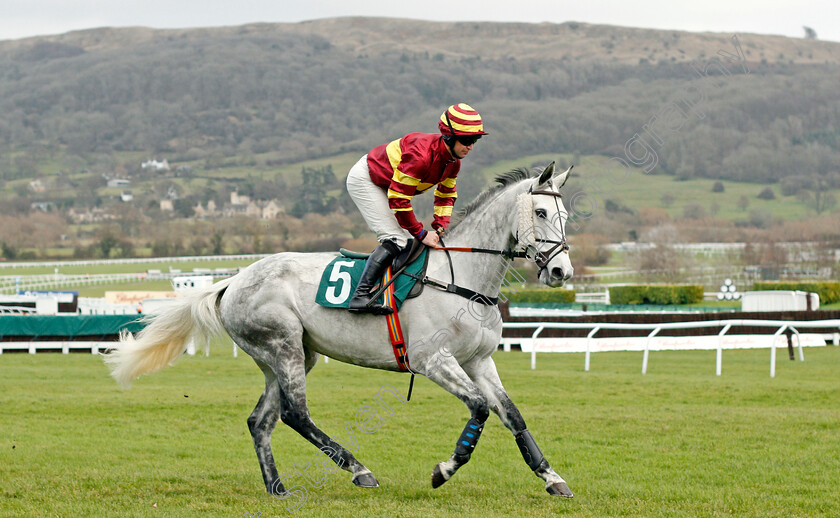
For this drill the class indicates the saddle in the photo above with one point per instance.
(342, 274)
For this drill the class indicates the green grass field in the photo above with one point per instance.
(637, 189)
(678, 441)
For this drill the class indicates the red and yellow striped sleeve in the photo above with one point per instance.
(445, 196)
(402, 188)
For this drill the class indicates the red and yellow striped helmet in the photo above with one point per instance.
(461, 119)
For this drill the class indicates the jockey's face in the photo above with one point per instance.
(460, 150)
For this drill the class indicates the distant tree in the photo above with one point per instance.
(792, 185)
(694, 211)
(662, 262)
(743, 202)
(718, 187)
(667, 199)
(216, 243)
(125, 248)
(107, 243)
(817, 196)
(9, 252)
(767, 194)
(810, 34)
(591, 251)
(616, 206)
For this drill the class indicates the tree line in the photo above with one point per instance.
(292, 97)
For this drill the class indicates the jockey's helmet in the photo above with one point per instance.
(461, 119)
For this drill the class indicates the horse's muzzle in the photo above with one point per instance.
(557, 276)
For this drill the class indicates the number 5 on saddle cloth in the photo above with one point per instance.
(340, 277)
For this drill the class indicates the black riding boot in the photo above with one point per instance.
(376, 264)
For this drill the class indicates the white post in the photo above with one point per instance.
(235, 352)
(719, 357)
(836, 338)
(647, 350)
(588, 341)
(773, 351)
(534, 347)
(798, 344)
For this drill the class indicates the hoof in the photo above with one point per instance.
(559, 489)
(437, 477)
(365, 480)
(277, 489)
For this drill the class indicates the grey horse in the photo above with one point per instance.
(269, 310)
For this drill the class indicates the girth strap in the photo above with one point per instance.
(461, 292)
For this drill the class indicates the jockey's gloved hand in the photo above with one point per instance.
(431, 239)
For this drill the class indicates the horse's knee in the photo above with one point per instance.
(480, 409)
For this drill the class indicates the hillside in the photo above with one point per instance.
(244, 109)
(308, 90)
(488, 40)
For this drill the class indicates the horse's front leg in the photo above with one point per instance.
(446, 372)
(483, 372)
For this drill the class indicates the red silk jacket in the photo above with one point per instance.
(412, 165)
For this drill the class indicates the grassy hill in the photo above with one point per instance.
(290, 92)
(246, 108)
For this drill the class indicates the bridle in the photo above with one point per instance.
(543, 258)
(530, 251)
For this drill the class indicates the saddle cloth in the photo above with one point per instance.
(340, 277)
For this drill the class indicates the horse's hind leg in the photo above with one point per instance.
(452, 378)
(261, 424)
(264, 418)
(483, 372)
(290, 366)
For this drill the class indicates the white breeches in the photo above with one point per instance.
(373, 204)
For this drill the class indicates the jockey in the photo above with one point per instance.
(383, 182)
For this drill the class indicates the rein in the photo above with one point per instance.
(509, 254)
(540, 258)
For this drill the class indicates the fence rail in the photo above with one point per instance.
(133, 260)
(655, 328)
(55, 281)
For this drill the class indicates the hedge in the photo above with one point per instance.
(539, 296)
(659, 294)
(829, 291)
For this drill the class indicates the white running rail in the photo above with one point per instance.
(780, 325)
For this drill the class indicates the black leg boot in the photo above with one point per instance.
(375, 267)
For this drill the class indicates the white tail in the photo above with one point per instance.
(165, 338)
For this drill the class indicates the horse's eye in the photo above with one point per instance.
(541, 213)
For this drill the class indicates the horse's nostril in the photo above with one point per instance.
(557, 273)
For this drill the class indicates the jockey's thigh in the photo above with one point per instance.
(372, 202)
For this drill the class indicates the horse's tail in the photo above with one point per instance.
(165, 337)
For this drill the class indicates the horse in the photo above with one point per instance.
(269, 311)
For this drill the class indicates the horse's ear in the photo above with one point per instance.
(560, 181)
(546, 174)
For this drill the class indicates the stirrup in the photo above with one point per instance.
(374, 309)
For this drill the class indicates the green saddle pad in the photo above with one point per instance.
(340, 277)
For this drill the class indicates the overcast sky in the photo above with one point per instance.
(22, 18)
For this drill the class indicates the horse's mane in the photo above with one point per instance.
(503, 181)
